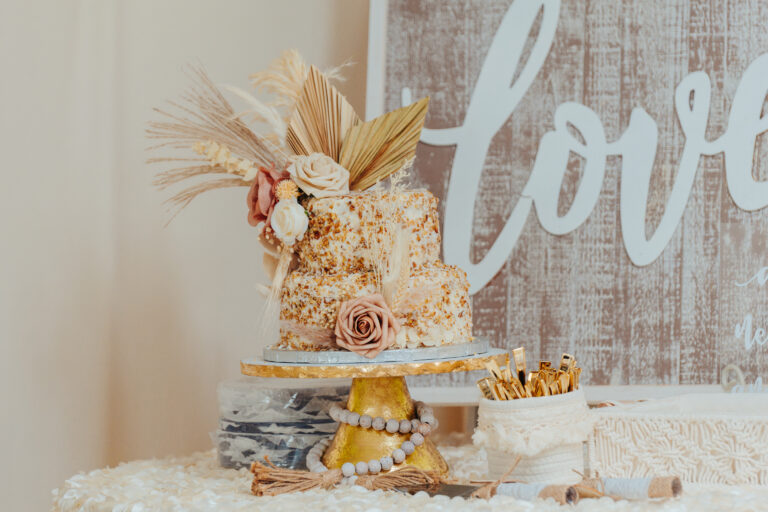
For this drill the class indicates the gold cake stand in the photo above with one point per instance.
(378, 389)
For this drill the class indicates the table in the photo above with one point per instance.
(196, 483)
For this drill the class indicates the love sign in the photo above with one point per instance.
(603, 174)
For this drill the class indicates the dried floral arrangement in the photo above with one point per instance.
(311, 144)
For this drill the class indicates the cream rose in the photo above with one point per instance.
(289, 221)
(318, 175)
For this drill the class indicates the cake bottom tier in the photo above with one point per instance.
(436, 307)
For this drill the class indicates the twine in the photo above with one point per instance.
(270, 480)
(489, 490)
(408, 478)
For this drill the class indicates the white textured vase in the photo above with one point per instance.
(547, 432)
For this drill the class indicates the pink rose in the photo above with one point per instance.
(261, 197)
(366, 325)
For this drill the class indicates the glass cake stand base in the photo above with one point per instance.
(378, 389)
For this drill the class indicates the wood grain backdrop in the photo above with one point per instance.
(671, 322)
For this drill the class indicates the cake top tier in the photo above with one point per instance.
(343, 230)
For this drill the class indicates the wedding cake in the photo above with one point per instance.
(352, 253)
(335, 265)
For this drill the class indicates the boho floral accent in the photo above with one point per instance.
(286, 189)
(318, 175)
(220, 155)
(203, 114)
(289, 221)
(366, 325)
(262, 198)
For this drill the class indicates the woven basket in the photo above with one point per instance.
(547, 432)
(705, 439)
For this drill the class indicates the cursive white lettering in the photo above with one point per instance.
(495, 98)
(744, 329)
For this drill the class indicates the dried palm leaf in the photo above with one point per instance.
(322, 118)
(375, 149)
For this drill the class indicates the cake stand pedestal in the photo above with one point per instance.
(378, 389)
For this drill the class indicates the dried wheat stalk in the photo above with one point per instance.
(203, 114)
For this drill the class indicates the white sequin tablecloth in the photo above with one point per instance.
(197, 483)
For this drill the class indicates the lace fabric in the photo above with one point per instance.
(707, 439)
(533, 425)
(548, 432)
(712, 450)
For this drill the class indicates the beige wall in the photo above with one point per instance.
(113, 330)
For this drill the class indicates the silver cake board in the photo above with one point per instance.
(405, 355)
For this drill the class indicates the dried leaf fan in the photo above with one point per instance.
(322, 118)
(375, 149)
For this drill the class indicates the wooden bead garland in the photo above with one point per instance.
(419, 429)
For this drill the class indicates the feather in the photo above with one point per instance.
(394, 282)
(412, 298)
(261, 111)
(270, 313)
(313, 334)
(263, 289)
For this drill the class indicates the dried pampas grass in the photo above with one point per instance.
(285, 79)
(203, 114)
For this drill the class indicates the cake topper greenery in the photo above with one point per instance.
(306, 141)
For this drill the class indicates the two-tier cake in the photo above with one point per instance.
(353, 254)
(335, 265)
